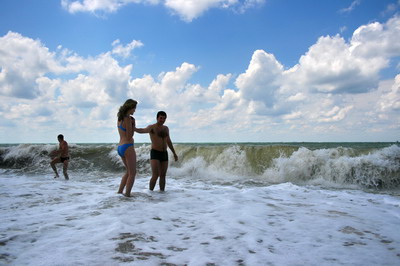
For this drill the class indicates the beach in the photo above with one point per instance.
(224, 204)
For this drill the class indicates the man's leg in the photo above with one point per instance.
(155, 171)
(53, 165)
(163, 173)
(65, 168)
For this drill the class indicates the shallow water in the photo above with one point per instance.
(83, 221)
(225, 204)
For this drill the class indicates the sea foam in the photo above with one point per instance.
(85, 222)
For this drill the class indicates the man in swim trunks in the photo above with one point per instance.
(61, 156)
(160, 140)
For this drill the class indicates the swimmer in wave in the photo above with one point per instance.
(61, 156)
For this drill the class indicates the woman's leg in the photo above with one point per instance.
(130, 156)
(124, 178)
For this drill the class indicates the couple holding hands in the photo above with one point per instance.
(160, 140)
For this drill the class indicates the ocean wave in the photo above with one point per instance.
(84, 158)
(377, 169)
(363, 165)
(262, 165)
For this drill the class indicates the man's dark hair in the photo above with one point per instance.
(162, 113)
(60, 137)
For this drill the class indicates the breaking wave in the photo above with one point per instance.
(368, 165)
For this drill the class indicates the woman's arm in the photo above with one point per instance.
(129, 125)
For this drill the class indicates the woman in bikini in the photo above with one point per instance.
(126, 126)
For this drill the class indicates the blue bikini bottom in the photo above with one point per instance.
(122, 148)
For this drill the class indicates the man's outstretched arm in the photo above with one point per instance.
(143, 130)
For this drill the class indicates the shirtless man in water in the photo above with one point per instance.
(61, 156)
(159, 136)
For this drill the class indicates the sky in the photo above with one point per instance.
(223, 70)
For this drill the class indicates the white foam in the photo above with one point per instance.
(84, 222)
(337, 168)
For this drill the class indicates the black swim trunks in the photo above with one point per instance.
(64, 159)
(162, 156)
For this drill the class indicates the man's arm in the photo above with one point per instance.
(55, 153)
(143, 130)
(170, 146)
(59, 151)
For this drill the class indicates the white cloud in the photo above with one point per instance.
(331, 89)
(108, 6)
(23, 61)
(168, 91)
(189, 10)
(77, 87)
(390, 100)
(335, 87)
(192, 9)
(297, 97)
(186, 9)
(351, 7)
(293, 116)
(144, 90)
(227, 113)
(99, 79)
(217, 86)
(125, 51)
(262, 78)
(175, 81)
(377, 41)
(330, 66)
(343, 29)
(188, 102)
(333, 65)
(335, 114)
(335, 82)
(392, 7)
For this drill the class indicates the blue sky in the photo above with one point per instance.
(223, 70)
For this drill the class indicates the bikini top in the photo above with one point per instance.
(121, 127)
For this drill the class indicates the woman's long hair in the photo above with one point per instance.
(129, 104)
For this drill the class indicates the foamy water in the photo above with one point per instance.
(221, 207)
(78, 222)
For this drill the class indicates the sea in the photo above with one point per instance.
(224, 204)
